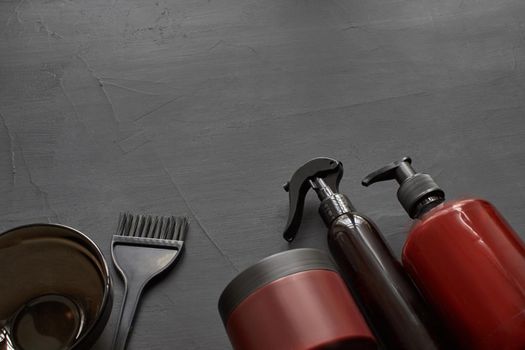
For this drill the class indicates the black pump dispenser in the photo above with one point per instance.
(417, 192)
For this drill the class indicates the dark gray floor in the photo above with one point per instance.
(206, 107)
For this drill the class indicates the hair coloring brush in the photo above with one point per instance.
(143, 247)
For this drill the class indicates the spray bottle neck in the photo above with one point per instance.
(333, 205)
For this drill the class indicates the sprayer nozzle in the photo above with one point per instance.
(328, 170)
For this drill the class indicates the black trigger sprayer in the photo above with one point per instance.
(393, 306)
(324, 176)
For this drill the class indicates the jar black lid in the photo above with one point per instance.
(268, 270)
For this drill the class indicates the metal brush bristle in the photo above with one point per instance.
(147, 226)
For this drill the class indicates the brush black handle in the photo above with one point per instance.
(130, 303)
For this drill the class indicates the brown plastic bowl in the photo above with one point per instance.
(55, 286)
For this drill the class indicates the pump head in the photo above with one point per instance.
(322, 174)
(415, 189)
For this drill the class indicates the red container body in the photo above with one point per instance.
(470, 265)
(309, 310)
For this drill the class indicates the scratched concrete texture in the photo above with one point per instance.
(205, 108)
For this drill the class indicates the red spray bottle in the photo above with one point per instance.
(465, 258)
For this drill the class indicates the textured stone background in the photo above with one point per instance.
(206, 107)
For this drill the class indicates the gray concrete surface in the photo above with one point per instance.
(206, 107)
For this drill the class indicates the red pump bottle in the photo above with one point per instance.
(466, 260)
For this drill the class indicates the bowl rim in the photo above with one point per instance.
(106, 298)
